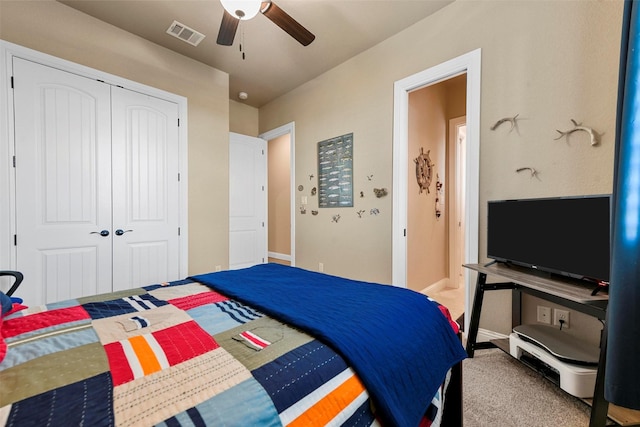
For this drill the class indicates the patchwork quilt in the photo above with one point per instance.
(172, 354)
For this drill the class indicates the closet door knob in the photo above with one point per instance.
(103, 233)
(120, 232)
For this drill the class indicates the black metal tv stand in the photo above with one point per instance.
(566, 292)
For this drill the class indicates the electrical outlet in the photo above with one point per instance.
(320, 267)
(559, 315)
(544, 314)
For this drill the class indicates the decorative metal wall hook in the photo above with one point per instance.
(438, 196)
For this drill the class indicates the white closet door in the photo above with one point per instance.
(63, 183)
(247, 201)
(145, 189)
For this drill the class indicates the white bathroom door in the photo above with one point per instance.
(146, 198)
(247, 201)
(63, 183)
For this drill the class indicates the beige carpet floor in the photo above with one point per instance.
(500, 391)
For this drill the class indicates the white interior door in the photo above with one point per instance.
(63, 183)
(247, 201)
(145, 189)
(457, 145)
(287, 129)
(97, 185)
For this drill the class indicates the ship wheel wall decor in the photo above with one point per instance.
(424, 171)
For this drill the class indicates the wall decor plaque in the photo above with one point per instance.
(335, 172)
(424, 170)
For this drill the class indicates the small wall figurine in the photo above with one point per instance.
(380, 192)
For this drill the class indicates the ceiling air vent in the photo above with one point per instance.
(185, 33)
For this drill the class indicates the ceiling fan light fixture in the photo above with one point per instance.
(242, 9)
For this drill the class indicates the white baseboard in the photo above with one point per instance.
(281, 257)
(484, 335)
(487, 335)
(436, 287)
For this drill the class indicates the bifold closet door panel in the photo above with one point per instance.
(63, 183)
(145, 189)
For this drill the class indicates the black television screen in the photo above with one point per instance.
(562, 235)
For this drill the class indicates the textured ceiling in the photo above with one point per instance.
(274, 62)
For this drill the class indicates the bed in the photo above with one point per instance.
(267, 345)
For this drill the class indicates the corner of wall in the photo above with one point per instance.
(243, 118)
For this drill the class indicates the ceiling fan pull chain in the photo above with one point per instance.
(242, 40)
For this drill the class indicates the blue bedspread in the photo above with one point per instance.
(397, 341)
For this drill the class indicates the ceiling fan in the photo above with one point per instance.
(234, 11)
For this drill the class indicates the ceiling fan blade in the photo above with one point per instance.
(287, 23)
(228, 28)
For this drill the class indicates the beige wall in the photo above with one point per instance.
(279, 177)
(58, 30)
(549, 61)
(243, 119)
(430, 110)
(426, 234)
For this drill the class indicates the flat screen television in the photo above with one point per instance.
(569, 236)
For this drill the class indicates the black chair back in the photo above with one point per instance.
(18, 279)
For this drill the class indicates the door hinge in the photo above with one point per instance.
(15, 240)
(178, 231)
(178, 122)
(12, 82)
(263, 188)
(178, 177)
(14, 161)
(405, 232)
(263, 152)
(262, 223)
